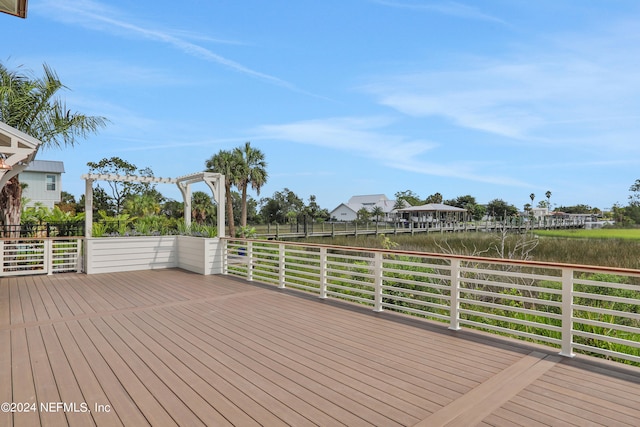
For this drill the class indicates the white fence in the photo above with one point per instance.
(594, 310)
(39, 256)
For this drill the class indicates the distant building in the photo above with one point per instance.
(44, 182)
(433, 215)
(349, 211)
(538, 213)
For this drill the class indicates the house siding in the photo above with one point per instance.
(36, 190)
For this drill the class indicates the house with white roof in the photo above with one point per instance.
(349, 211)
(44, 182)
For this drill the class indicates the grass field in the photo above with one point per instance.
(607, 233)
(604, 248)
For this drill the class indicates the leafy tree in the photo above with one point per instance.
(31, 105)
(252, 208)
(312, 208)
(101, 201)
(469, 203)
(172, 209)
(634, 197)
(228, 164)
(500, 209)
(576, 209)
(408, 196)
(434, 198)
(141, 205)
(252, 170)
(363, 215)
(315, 211)
(479, 211)
(282, 207)
(120, 191)
(67, 203)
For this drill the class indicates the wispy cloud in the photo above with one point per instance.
(100, 17)
(533, 94)
(366, 137)
(450, 8)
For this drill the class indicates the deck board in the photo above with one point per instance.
(170, 347)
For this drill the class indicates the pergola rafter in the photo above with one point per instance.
(215, 182)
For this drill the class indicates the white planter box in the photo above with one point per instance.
(113, 254)
(200, 255)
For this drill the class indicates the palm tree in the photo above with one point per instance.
(548, 196)
(201, 205)
(252, 171)
(31, 106)
(377, 212)
(226, 163)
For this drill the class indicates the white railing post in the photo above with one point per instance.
(2, 256)
(323, 272)
(567, 313)
(282, 265)
(225, 256)
(454, 323)
(377, 274)
(79, 243)
(250, 261)
(47, 246)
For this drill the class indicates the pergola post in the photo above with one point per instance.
(185, 190)
(88, 207)
(216, 184)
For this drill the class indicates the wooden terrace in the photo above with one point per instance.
(168, 347)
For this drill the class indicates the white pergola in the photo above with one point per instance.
(215, 181)
(17, 150)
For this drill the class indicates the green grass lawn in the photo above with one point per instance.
(609, 233)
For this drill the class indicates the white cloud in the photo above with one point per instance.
(569, 89)
(99, 17)
(365, 137)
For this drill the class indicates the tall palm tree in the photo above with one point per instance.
(31, 106)
(252, 171)
(548, 196)
(226, 163)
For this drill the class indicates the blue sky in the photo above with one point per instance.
(497, 99)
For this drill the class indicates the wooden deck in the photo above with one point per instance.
(168, 347)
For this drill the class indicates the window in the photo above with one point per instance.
(51, 183)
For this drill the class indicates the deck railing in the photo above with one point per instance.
(39, 256)
(575, 308)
